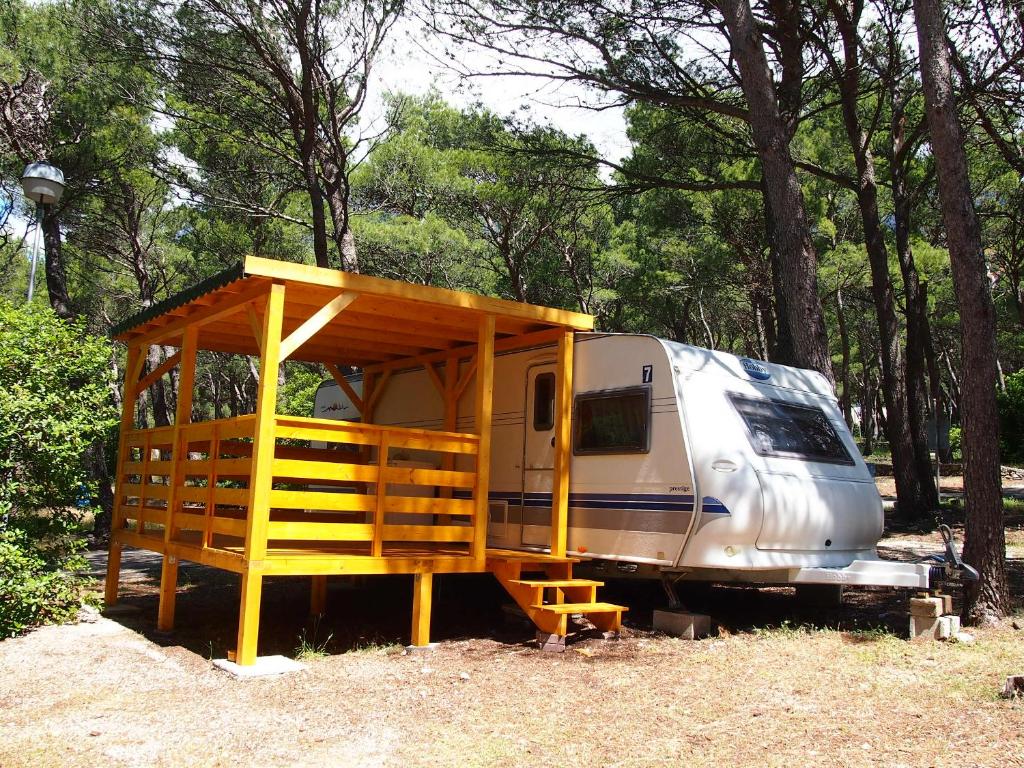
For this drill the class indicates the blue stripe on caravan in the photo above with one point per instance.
(713, 506)
(626, 501)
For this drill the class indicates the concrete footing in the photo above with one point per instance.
(265, 666)
(688, 626)
(421, 648)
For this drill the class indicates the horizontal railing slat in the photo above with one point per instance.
(334, 502)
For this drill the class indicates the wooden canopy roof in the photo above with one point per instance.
(341, 318)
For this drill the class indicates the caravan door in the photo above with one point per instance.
(538, 455)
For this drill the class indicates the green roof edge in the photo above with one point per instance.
(212, 283)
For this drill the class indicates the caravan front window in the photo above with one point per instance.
(789, 430)
(615, 421)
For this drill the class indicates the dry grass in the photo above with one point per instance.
(101, 695)
(784, 683)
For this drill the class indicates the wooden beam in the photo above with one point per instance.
(563, 443)
(484, 408)
(231, 304)
(256, 323)
(317, 595)
(464, 380)
(320, 318)
(378, 390)
(182, 417)
(438, 384)
(133, 366)
(260, 483)
(343, 383)
(423, 584)
(157, 372)
(283, 270)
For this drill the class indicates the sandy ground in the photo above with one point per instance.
(783, 683)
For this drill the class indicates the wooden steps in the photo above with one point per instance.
(550, 601)
(584, 609)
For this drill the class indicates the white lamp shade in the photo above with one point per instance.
(42, 183)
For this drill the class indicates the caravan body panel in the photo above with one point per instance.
(704, 477)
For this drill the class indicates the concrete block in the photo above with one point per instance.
(945, 630)
(926, 606)
(688, 626)
(550, 643)
(421, 648)
(265, 666)
(947, 603)
(954, 625)
(925, 627)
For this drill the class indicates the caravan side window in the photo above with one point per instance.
(544, 402)
(614, 421)
(790, 431)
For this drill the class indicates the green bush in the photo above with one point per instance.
(1011, 419)
(956, 437)
(55, 401)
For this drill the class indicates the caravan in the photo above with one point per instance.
(686, 463)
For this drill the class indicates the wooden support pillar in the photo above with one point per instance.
(260, 481)
(563, 443)
(484, 407)
(182, 418)
(422, 594)
(133, 367)
(317, 595)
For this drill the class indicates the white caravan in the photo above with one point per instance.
(687, 463)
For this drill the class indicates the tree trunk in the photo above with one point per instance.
(911, 504)
(797, 257)
(56, 275)
(985, 541)
(846, 401)
(161, 417)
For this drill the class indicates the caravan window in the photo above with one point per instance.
(616, 421)
(791, 431)
(544, 402)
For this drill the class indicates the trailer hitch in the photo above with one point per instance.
(953, 564)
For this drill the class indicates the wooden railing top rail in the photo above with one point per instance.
(305, 421)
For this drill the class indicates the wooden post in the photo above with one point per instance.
(383, 448)
(317, 595)
(179, 449)
(260, 481)
(484, 406)
(421, 597)
(132, 369)
(563, 443)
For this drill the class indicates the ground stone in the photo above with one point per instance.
(550, 642)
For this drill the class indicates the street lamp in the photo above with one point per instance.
(43, 184)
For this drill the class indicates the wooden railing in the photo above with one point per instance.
(333, 482)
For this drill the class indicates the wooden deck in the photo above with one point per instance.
(268, 494)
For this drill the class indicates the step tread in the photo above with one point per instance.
(582, 608)
(556, 582)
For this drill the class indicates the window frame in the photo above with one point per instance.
(554, 393)
(732, 397)
(607, 394)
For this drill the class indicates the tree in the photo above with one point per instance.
(642, 55)
(286, 80)
(985, 544)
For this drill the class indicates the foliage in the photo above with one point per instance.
(297, 396)
(54, 404)
(1011, 419)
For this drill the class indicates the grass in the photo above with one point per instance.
(310, 647)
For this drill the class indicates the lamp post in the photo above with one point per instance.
(43, 184)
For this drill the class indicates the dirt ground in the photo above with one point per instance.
(782, 683)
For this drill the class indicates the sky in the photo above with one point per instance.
(415, 65)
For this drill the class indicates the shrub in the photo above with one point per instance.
(55, 401)
(956, 437)
(1011, 419)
